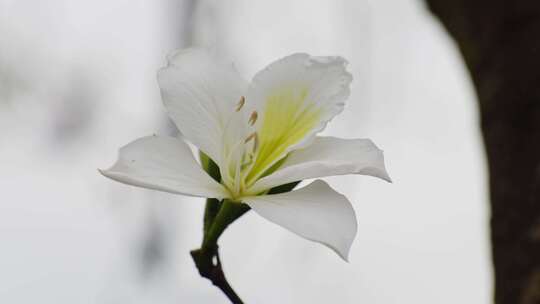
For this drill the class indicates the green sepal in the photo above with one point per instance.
(210, 166)
(212, 206)
(283, 188)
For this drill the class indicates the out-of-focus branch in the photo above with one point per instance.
(500, 43)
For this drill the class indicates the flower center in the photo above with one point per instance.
(288, 116)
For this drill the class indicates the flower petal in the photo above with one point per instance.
(327, 156)
(315, 212)
(165, 164)
(294, 98)
(200, 94)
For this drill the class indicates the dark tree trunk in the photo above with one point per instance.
(500, 42)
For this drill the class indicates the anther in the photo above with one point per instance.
(240, 103)
(253, 118)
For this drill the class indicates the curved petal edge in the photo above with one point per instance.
(315, 212)
(165, 164)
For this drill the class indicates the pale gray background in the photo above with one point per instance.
(77, 81)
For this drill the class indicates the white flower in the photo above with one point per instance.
(261, 135)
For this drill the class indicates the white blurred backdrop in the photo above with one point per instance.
(77, 81)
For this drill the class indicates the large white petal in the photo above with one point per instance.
(201, 93)
(327, 156)
(325, 79)
(315, 212)
(295, 97)
(165, 164)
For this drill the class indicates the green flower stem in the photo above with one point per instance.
(228, 213)
(211, 209)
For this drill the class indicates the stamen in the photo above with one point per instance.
(253, 136)
(248, 163)
(250, 137)
(256, 143)
(240, 103)
(253, 118)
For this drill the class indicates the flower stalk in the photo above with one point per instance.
(218, 215)
(207, 257)
(228, 213)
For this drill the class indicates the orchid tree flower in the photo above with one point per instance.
(260, 135)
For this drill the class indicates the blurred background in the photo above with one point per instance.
(77, 81)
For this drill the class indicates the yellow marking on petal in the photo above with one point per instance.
(288, 117)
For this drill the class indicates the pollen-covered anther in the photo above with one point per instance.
(240, 103)
(253, 136)
(253, 118)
